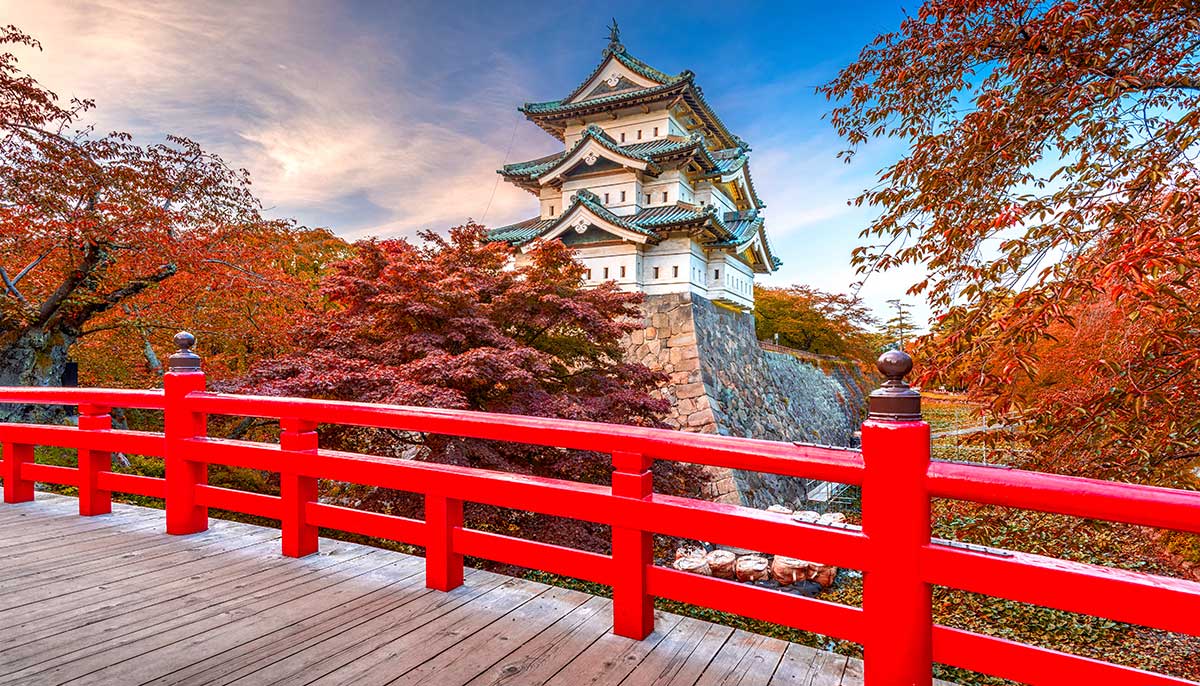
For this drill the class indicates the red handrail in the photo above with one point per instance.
(893, 548)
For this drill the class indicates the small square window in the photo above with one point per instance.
(656, 272)
(656, 132)
(675, 272)
(622, 136)
(552, 210)
(606, 272)
(622, 272)
(664, 196)
(717, 274)
(606, 198)
(647, 198)
(639, 134)
(589, 274)
(622, 196)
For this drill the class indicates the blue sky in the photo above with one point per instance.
(383, 118)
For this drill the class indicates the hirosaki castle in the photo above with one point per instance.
(651, 188)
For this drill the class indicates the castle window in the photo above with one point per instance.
(622, 196)
(622, 271)
(588, 274)
(552, 210)
(717, 274)
(622, 136)
(639, 134)
(647, 198)
(656, 132)
(664, 196)
(606, 272)
(675, 271)
(656, 272)
(606, 198)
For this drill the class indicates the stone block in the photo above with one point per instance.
(691, 390)
(701, 418)
(682, 339)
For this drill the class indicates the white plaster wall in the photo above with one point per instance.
(675, 253)
(730, 279)
(673, 183)
(612, 183)
(707, 193)
(629, 124)
(551, 202)
(612, 257)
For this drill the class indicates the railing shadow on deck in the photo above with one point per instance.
(894, 548)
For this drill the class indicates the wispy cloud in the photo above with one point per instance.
(324, 118)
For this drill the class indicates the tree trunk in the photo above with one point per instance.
(33, 357)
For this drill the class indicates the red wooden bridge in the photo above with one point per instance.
(894, 549)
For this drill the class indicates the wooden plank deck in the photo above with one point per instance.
(114, 600)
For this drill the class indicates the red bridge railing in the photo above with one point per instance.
(894, 548)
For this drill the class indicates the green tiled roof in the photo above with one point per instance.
(649, 151)
(634, 64)
(532, 167)
(565, 106)
(521, 232)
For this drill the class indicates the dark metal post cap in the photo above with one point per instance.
(894, 401)
(184, 360)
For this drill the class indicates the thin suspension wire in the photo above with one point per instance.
(512, 137)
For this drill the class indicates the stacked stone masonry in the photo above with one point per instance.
(719, 380)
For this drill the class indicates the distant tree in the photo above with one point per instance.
(1050, 178)
(899, 328)
(448, 323)
(96, 231)
(816, 321)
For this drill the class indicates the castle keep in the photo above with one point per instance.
(654, 192)
(651, 188)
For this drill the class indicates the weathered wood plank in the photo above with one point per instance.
(344, 647)
(474, 654)
(89, 651)
(216, 639)
(611, 658)
(265, 649)
(795, 669)
(544, 655)
(746, 660)
(681, 657)
(405, 652)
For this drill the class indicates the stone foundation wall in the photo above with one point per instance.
(721, 381)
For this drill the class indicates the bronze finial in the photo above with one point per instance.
(614, 39)
(184, 360)
(894, 401)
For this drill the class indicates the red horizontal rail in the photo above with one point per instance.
(1033, 665)
(1164, 508)
(813, 462)
(831, 619)
(1115, 594)
(534, 555)
(105, 397)
(110, 440)
(51, 474)
(132, 483)
(374, 524)
(234, 500)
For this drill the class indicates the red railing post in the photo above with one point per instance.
(16, 488)
(184, 515)
(298, 438)
(443, 565)
(897, 603)
(93, 500)
(632, 551)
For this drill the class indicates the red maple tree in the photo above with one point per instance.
(99, 234)
(449, 322)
